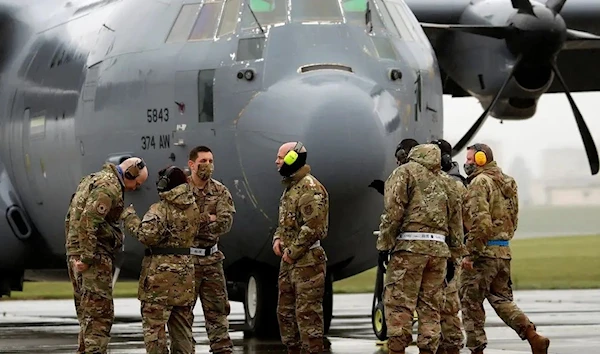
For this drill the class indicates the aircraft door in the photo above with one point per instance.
(194, 100)
(33, 130)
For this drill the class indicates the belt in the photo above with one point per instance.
(421, 236)
(502, 243)
(181, 251)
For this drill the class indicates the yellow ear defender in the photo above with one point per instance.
(292, 155)
(480, 156)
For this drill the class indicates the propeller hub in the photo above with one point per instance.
(539, 36)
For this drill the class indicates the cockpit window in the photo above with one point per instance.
(413, 23)
(268, 12)
(206, 24)
(316, 10)
(184, 23)
(230, 17)
(354, 11)
(385, 16)
(400, 21)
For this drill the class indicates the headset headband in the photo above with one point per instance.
(132, 172)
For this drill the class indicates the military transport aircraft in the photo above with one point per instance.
(84, 82)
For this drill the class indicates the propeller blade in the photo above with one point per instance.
(479, 123)
(588, 141)
(555, 5)
(499, 32)
(581, 40)
(116, 276)
(524, 6)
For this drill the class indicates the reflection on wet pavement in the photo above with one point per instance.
(571, 319)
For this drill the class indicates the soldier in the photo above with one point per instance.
(303, 223)
(92, 239)
(452, 336)
(216, 218)
(401, 154)
(421, 227)
(166, 285)
(491, 217)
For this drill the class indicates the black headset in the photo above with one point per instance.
(132, 172)
(163, 179)
(400, 152)
(446, 157)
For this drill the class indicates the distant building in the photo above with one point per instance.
(521, 172)
(566, 180)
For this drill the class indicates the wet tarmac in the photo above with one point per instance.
(570, 318)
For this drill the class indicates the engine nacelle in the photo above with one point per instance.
(480, 65)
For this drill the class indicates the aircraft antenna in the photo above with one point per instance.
(255, 19)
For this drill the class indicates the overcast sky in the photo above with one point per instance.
(553, 126)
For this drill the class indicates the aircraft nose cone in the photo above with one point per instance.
(333, 115)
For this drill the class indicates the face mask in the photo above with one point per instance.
(469, 168)
(205, 171)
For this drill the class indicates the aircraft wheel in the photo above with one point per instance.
(260, 306)
(378, 321)
(328, 303)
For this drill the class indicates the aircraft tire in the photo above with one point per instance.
(260, 305)
(378, 321)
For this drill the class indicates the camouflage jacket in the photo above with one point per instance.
(92, 221)
(418, 199)
(172, 222)
(491, 211)
(456, 186)
(303, 218)
(215, 199)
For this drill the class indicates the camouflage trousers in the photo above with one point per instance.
(413, 281)
(300, 307)
(212, 290)
(489, 279)
(452, 335)
(177, 318)
(92, 292)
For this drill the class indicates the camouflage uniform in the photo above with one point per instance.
(452, 335)
(211, 287)
(166, 286)
(93, 236)
(303, 223)
(491, 214)
(418, 202)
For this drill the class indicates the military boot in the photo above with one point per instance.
(294, 350)
(453, 350)
(441, 351)
(539, 344)
(477, 351)
(425, 351)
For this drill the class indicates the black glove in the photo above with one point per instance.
(450, 269)
(384, 257)
(378, 185)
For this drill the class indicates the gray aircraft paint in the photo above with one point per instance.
(93, 107)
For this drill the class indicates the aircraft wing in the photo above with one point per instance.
(578, 63)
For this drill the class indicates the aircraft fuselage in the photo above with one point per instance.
(106, 82)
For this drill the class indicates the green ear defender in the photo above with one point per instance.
(292, 155)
